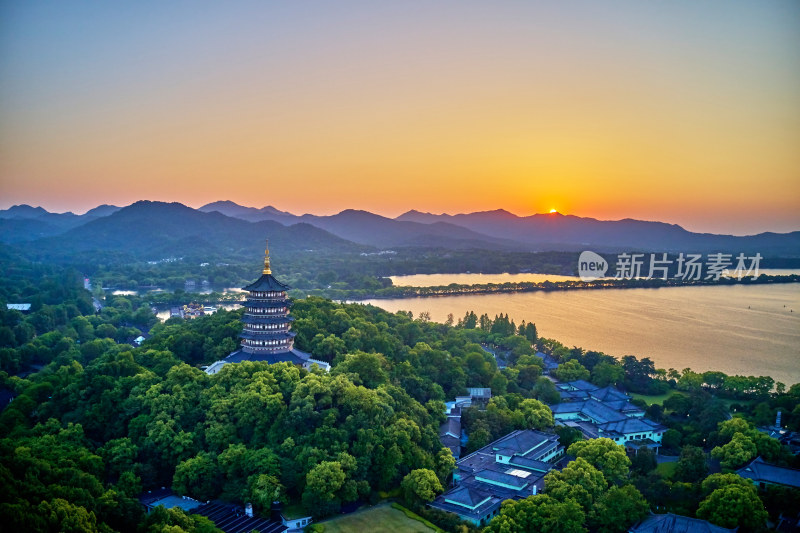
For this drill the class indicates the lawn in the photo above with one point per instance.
(667, 470)
(650, 400)
(381, 518)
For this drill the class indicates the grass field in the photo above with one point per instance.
(666, 469)
(650, 400)
(379, 519)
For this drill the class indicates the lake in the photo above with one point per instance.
(163, 314)
(745, 329)
(438, 280)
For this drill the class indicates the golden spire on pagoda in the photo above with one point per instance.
(266, 270)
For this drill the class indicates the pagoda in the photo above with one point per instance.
(266, 335)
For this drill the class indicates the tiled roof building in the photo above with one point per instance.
(673, 523)
(762, 474)
(512, 467)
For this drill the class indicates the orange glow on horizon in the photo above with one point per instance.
(451, 108)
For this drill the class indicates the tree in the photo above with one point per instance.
(579, 481)
(604, 374)
(536, 415)
(421, 486)
(370, 368)
(737, 452)
(538, 513)
(445, 464)
(732, 506)
(198, 477)
(568, 435)
(671, 439)
(605, 455)
(692, 465)
(61, 515)
(572, 370)
(545, 391)
(644, 461)
(323, 482)
(264, 489)
(119, 455)
(718, 481)
(618, 509)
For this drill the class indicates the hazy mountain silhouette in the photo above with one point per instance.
(375, 230)
(555, 230)
(232, 209)
(21, 223)
(158, 229)
(225, 227)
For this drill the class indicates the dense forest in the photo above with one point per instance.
(96, 419)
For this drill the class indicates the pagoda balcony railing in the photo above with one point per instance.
(268, 345)
(267, 311)
(255, 329)
(271, 294)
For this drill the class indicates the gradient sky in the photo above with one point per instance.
(685, 111)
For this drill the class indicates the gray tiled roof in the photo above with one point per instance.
(452, 427)
(581, 385)
(609, 394)
(593, 409)
(573, 395)
(529, 464)
(501, 477)
(523, 440)
(673, 523)
(266, 283)
(761, 471)
(294, 356)
(632, 425)
(466, 495)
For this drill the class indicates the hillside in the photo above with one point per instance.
(157, 230)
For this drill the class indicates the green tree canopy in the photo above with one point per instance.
(617, 509)
(579, 480)
(539, 513)
(604, 454)
(421, 486)
(571, 370)
(734, 505)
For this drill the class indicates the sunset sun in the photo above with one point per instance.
(553, 210)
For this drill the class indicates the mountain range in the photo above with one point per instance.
(157, 228)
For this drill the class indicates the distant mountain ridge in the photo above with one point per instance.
(158, 229)
(21, 223)
(547, 230)
(370, 229)
(224, 225)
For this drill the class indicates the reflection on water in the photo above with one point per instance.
(749, 330)
(225, 290)
(163, 314)
(437, 280)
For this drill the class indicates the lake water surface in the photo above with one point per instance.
(749, 330)
(437, 280)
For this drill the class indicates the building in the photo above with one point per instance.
(606, 412)
(267, 334)
(233, 519)
(510, 468)
(164, 496)
(762, 474)
(550, 363)
(450, 435)
(22, 308)
(673, 523)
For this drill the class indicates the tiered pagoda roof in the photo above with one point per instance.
(267, 335)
